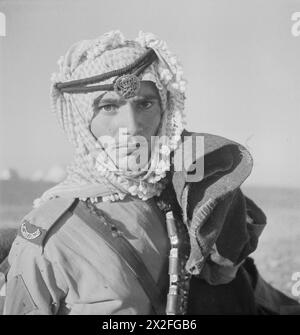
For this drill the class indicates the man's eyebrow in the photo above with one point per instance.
(115, 100)
(99, 98)
(109, 101)
(150, 96)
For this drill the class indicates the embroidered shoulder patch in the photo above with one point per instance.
(36, 224)
(29, 235)
(31, 232)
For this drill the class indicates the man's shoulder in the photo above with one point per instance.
(213, 142)
(36, 225)
(215, 155)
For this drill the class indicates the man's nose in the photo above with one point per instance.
(130, 119)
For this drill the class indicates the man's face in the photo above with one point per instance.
(139, 117)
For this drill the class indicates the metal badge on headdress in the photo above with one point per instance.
(126, 84)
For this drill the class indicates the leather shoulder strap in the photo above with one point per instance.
(127, 253)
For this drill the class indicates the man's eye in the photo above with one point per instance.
(146, 104)
(108, 108)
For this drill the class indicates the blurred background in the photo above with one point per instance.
(241, 61)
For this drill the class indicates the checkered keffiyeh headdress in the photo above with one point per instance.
(92, 174)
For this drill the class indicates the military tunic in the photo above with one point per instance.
(73, 271)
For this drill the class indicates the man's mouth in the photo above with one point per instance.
(132, 152)
(129, 147)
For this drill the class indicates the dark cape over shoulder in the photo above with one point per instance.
(214, 209)
(218, 215)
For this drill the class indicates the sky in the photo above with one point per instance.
(240, 59)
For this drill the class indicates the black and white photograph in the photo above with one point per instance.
(149, 159)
